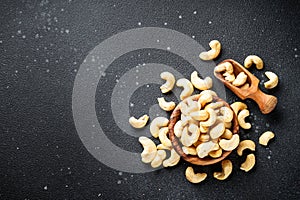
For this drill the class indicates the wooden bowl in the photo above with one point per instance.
(175, 116)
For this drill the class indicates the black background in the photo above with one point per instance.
(43, 43)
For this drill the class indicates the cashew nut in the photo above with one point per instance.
(170, 82)
(216, 153)
(211, 120)
(215, 46)
(178, 128)
(241, 119)
(172, 160)
(189, 150)
(249, 163)
(193, 105)
(230, 77)
(229, 145)
(167, 106)
(160, 156)
(245, 144)
(227, 134)
(194, 178)
(149, 151)
(204, 148)
(190, 135)
(140, 122)
(214, 105)
(253, 59)
(204, 137)
(273, 82)
(226, 170)
(237, 106)
(227, 113)
(200, 115)
(217, 131)
(245, 86)
(184, 108)
(226, 66)
(212, 93)
(204, 99)
(201, 84)
(240, 79)
(265, 137)
(187, 86)
(162, 135)
(156, 124)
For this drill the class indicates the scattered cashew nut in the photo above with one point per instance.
(226, 170)
(172, 160)
(170, 82)
(245, 144)
(240, 79)
(140, 122)
(215, 46)
(167, 106)
(253, 59)
(156, 124)
(194, 178)
(237, 106)
(201, 84)
(149, 151)
(265, 137)
(241, 119)
(188, 88)
(273, 82)
(229, 145)
(249, 163)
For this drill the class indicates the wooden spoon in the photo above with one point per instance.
(175, 116)
(266, 102)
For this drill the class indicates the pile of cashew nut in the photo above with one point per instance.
(204, 128)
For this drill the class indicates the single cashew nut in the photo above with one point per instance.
(160, 156)
(240, 79)
(140, 122)
(211, 120)
(187, 86)
(216, 153)
(204, 99)
(200, 115)
(215, 46)
(178, 128)
(156, 124)
(237, 106)
(241, 119)
(245, 144)
(273, 82)
(249, 163)
(226, 66)
(201, 84)
(266, 137)
(194, 178)
(149, 151)
(167, 106)
(217, 131)
(230, 77)
(227, 134)
(253, 59)
(229, 145)
(172, 160)
(212, 93)
(189, 150)
(170, 82)
(227, 113)
(245, 86)
(162, 135)
(226, 170)
(204, 148)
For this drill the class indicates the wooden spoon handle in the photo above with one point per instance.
(266, 102)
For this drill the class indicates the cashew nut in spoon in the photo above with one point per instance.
(215, 46)
(140, 122)
(249, 163)
(194, 178)
(156, 124)
(201, 84)
(240, 79)
(241, 119)
(226, 170)
(230, 77)
(187, 86)
(253, 59)
(231, 144)
(167, 106)
(226, 66)
(172, 160)
(149, 151)
(273, 82)
(170, 82)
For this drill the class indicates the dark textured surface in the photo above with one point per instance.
(42, 45)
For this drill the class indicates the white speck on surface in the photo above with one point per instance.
(67, 31)
(120, 173)
(168, 48)
(48, 70)
(16, 71)
(139, 23)
(23, 36)
(193, 36)
(131, 104)
(46, 187)
(119, 182)
(269, 157)
(165, 23)
(254, 19)
(1, 41)
(62, 10)
(295, 49)
(147, 86)
(47, 60)
(180, 16)
(66, 186)
(75, 70)
(19, 32)
(17, 148)
(210, 22)
(195, 12)
(137, 83)
(267, 125)
(99, 195)
(157, 40)
(296, 56)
